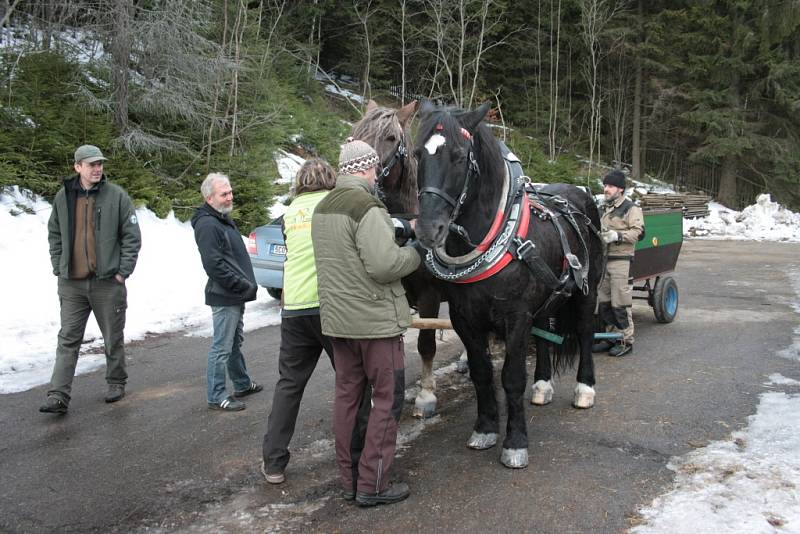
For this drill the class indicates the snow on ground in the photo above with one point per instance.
(655, 186)
(331, 88)
(763, 221)
(165, 292)
(288, 165)
(747, 483)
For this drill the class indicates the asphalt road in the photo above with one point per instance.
(161, 461)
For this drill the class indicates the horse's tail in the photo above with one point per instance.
(566, 325)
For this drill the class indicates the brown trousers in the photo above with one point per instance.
(616, 290)
(380, 364)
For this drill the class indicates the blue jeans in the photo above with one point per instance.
(225, 352)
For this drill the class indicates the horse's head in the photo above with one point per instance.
(448, 155)
(385, 130)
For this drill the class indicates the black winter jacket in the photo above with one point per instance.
(225, 259)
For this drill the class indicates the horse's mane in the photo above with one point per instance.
(380, 123)
(485, 145)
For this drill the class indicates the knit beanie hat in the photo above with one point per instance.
(356, 156)
(615, 178)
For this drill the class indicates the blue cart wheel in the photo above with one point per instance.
(665, 299)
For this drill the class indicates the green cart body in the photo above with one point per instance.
(655, 259)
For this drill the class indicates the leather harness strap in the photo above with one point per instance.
(507, 239)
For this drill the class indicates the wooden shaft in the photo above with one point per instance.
(431, 323)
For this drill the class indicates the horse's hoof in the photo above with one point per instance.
(542, 393)
(425, 404)
(514, 458)
(584, 396)
(462, 366)
(482, 441)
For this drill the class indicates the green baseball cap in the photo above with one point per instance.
(88, 153)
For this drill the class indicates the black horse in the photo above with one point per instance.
(538, 262)
(385, 129)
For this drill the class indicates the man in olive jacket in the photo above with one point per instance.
(94, 243)
(364, 310)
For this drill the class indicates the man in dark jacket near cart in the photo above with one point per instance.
(231, 283)
(364, 310)
(622, 225)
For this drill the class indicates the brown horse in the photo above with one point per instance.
(386, 130)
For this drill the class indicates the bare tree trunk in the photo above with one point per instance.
(278, 13)
(403, 6)
(537, 92)
(363, 18)
(238, 34)
(617, 100)
(554, 68)
(7, 12)
(479, 45)
(637, 172)
(462, 38)
(121, 43)
(595, 15)
(217, 87)
(569, 91)
(727, 176)
(727, 182)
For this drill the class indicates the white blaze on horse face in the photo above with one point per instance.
(434, 143)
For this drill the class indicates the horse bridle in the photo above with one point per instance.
(473, 170)
(399, 156)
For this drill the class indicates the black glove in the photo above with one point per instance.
(416, 245)
(402, 229)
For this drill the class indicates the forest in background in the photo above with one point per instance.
(701, 94)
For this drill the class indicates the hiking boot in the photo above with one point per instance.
(53, 405)
(349, 494)
(272, 478)
(620, 349)
(115, 392)
(227, 405)
(602, 346)
(394, 493)
(254, 388)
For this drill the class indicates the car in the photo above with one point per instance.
(267, 251)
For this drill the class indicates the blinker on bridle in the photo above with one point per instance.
(399, 156)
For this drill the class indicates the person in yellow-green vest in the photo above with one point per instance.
(302, 340)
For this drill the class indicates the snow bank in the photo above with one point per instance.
(763, 221)
(165, 292)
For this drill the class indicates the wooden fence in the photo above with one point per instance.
(674, 167)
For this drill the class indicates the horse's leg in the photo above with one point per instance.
(462, 365)
(584, 390)
(425, 403)
(487, 424)
(542, 390)
(515, 446)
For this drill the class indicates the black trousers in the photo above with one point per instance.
(302, 343)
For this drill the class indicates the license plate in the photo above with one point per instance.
(277, 250)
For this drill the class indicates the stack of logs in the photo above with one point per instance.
(692, 204)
